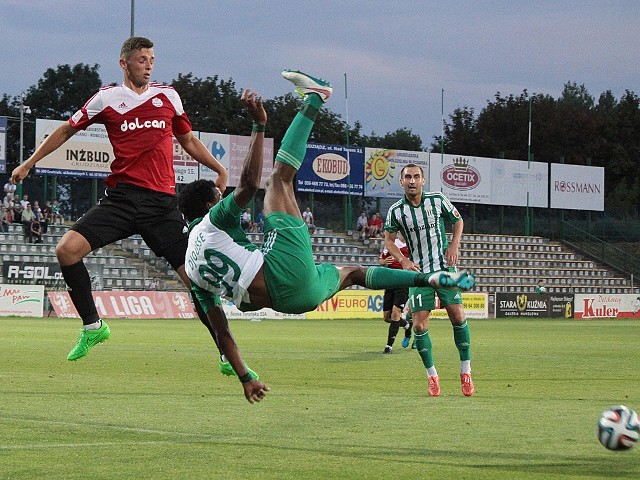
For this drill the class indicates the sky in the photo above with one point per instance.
(394, 57)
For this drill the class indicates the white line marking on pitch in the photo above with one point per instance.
(195, 436)
(76, 445)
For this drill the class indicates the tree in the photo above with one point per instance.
(503, 126)
(461, 135)
(63, 91)
(573, 126)
(213, 105)
(576, 126)
(401, 139)
(623, 160)
(57, 96)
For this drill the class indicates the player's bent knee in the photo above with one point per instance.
(72, 248)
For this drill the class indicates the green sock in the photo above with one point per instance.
(462, 338)
(423, 344)
(294, 143)
(380, 278)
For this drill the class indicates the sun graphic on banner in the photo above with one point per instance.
(378, 169)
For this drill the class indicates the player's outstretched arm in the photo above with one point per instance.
(54, 141)
(252, 169)
(254, 390)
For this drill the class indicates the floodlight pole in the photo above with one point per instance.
(23, 108)
(527, 218)
(348, 215)
(133, 4)
(442, 127)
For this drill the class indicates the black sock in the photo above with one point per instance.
(79, 283)
(205, 320)
(393, 331)
(407, 332)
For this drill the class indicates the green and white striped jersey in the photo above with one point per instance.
(423, 228)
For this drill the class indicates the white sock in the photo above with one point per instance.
(432, 372)
(223, 358)
(465, 366)
(93, 326)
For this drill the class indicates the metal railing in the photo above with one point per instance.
(606, 253)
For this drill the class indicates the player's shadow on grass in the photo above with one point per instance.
(585, 466)
(367, 355)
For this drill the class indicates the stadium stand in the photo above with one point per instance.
(507, 263)
(500, 263)
(120, 269)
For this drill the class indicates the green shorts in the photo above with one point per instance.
(424, 298)
(296, 284)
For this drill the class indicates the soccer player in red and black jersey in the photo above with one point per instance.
(140, 117)
(395, 299)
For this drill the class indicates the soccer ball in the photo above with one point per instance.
(618, 428)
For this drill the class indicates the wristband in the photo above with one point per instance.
(257, 127)
(246, 378)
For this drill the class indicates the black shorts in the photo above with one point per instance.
(127, 210)
(395, 297)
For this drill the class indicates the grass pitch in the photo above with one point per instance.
(150, 404)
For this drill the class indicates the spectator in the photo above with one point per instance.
(307, 216)
(245, 219)
(155, 284)
(10, 188)
(47, 216)
(260, 221)
(27, 218)
(56, 215)
(35, 231)
(17, 209)
(375, 225)
(7, 202)
(37, 211)
(5, 219)
(25, 201)
(361, 225)
(540, 288)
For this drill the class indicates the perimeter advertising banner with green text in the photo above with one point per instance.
(21, 300)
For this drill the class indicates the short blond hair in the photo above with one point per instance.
(132, 44)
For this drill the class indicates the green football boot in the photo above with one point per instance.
(87, 339)
(227, 369)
